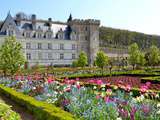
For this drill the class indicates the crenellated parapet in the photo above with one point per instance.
(86, 21)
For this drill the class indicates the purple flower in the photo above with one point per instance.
(132, 113)
(123, 113)
(146, 109)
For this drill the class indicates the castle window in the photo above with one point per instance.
(39, 45)
(49, 56)
(73, 46)
(73, 56)
(28, 34)
(86, 28)
(49, 46)
(49, 36)
(85, 37)
(39, 35)
(28, 45)
(61, 46)
(61, 56)
(28, 55)
(39, 55)
(10, 32)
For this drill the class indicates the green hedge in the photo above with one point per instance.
(155, 80)
(41, 110)
(6, 113)
(140, 73)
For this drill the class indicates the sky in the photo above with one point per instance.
(135, 15)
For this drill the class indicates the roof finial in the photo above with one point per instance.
(70, 18)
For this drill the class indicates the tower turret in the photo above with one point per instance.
(88, 36)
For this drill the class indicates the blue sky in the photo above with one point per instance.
(135, 15)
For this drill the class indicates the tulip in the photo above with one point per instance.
(99, 82)
(132, 113)
(98, 97)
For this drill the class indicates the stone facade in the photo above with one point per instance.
(48, 42)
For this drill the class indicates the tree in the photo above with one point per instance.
(75, 63)
(101, 60)
(153, 55)
(11, 57)
(82, 60)
(142, 60)
(134, 54)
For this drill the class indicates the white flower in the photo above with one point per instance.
(34, 88)
(157, 96)
(119, 118)
(94, 87)
(103, 85)
(158, 105)
(158, 112)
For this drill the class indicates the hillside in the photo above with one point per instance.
(117, 38)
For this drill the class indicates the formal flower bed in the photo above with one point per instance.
(91, 103)
(134, 82)
(6, 113)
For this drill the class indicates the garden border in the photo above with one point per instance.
(41, 110)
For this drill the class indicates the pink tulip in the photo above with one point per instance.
(99, 82)
(106, 99)
(78, 86)
(50, 80)
(67, 89)
(91, 81)
(148, 84)
(22, 77)
(98, 97)
(127, 87)
(28, 77)
(77, 79)
(16, 77)
(143, 88)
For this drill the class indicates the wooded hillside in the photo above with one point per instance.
(117, 38)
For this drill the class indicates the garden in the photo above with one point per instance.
(107, 91)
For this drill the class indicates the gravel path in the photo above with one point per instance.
(25, 115)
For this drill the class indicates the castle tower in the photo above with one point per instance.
(87, 32)
(33, 18)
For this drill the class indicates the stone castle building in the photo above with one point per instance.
(49, 42)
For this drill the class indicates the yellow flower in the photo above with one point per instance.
(115, 87)
(103, 85)
(103, 94)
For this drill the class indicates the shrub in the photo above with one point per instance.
(41, 110)
(6, 113)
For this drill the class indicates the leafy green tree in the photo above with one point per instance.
(11, 56)
(82, 60)
(153, 56)
(134, 54)
(142, 60)
(75, 63)
(101, 60)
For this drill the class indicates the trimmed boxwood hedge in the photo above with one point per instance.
(41, 110)
(139, 73)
